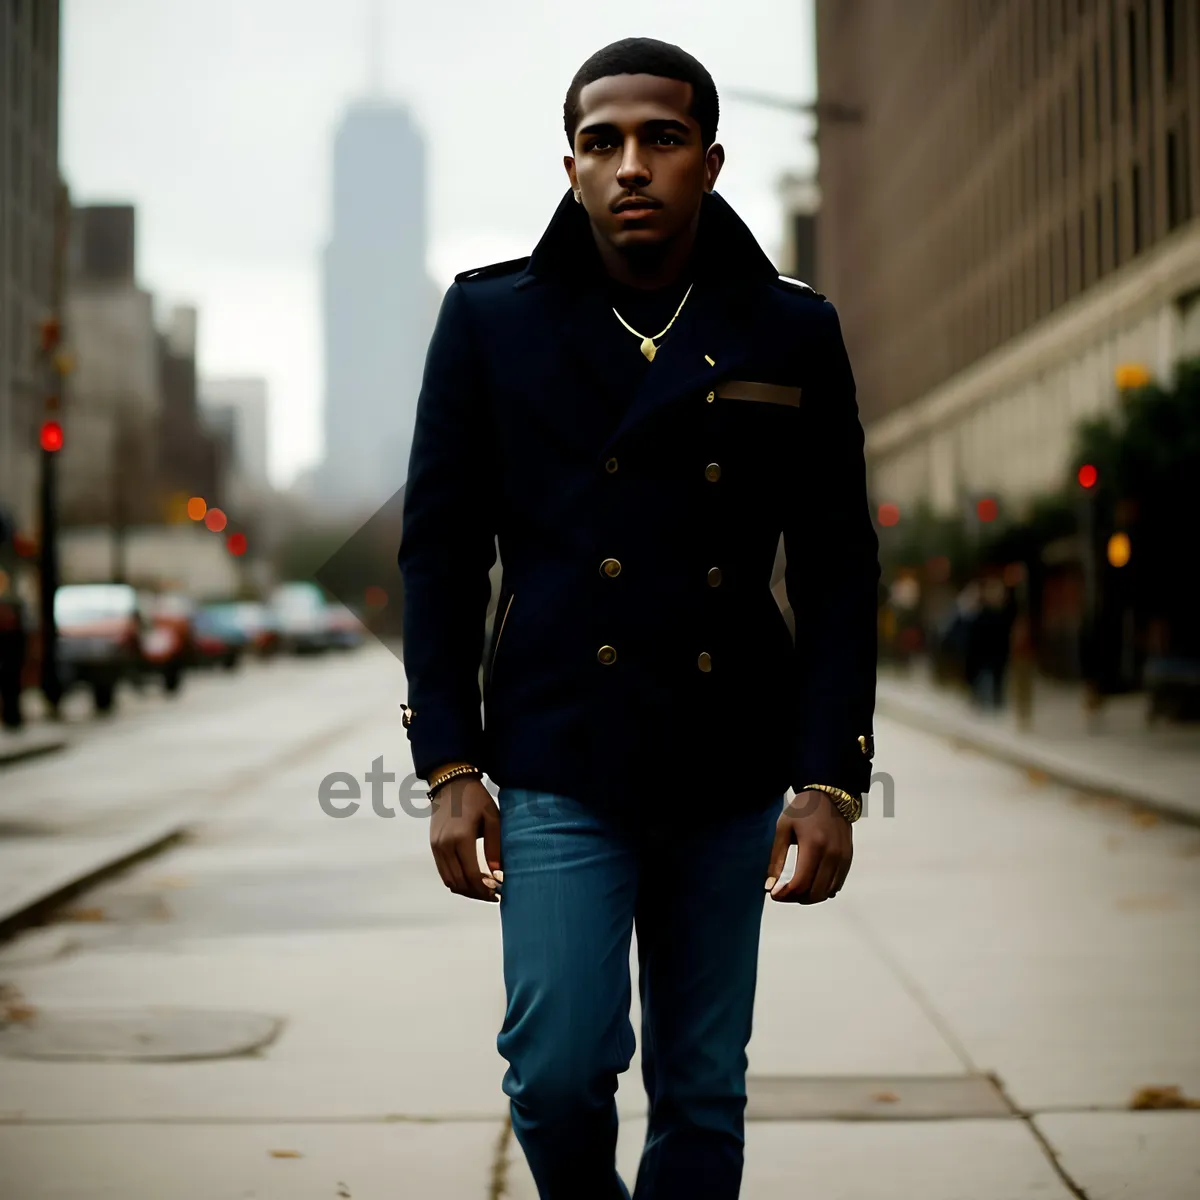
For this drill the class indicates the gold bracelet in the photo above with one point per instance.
(849, 806)
(453, 773)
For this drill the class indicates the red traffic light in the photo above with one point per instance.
(889, 514)
(51, 436)
(1087, 476)
(215, 520)
(235, 543)
(987, 509)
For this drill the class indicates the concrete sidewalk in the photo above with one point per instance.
(1006, 969)
(32, 741)
(1113, 752)
(132, 782)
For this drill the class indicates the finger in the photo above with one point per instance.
(823, 880)
(449, 867)
(808, 858)
(491, 840)
(468, 858)
(847, 861)
(779, 852)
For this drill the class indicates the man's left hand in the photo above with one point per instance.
(824, 850)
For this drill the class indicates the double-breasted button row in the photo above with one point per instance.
(712, 472)
(610, 567)
(606, 656)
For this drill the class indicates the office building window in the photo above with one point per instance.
(1112, 61)
(1136, 212)
(1082, 252)
(1116, 225)
(1168, 22)
(1131, 32)
(1173, 180)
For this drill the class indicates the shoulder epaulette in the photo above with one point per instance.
(800, 286)
(511, 267)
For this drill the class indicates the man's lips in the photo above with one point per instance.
(635, 204)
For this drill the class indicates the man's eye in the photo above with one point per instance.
(600, 144)
(670, 139)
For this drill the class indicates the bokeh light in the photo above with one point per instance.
(889, 514)
(215, 519)
(196, 508)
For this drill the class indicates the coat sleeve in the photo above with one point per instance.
(832, 577)
(447, 546)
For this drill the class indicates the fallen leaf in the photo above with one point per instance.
(885, 1097)
(83, 914)
(343, 1192)
(1150, 903)
(1036, 776)
(1162, 1096)
(285, 1154)
(18, 1012)
(1144, 819)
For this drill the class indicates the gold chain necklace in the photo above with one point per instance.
(649, 349)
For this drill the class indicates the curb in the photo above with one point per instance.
(16, 752)
(35, 901)
(1037, 759)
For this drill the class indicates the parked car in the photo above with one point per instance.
(217, 636)
(259, 626)
(101, 627)
(169, 645)
(345, 630)
(299, 611)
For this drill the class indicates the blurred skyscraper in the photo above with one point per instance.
(378, 301)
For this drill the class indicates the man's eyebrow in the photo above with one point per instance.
(655, 125)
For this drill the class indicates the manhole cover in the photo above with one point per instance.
(881, 1098)
(146, 1035)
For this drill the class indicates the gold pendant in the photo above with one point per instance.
(649, 349)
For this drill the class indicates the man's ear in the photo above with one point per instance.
(569, 164)
(714, 160)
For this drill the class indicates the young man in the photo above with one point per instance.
(637, 412)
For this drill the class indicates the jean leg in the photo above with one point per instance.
(570, 888)
(698, 932)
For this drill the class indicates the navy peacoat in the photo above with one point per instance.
(638, 655)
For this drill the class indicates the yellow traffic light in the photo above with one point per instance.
(1119, 549)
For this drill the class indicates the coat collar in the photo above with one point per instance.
(730, 271)
(726, 250)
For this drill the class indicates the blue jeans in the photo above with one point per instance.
(576, 883)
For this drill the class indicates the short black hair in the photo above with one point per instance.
(647, 56)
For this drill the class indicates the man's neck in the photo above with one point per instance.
(649, 268)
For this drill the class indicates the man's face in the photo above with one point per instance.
(640, 164)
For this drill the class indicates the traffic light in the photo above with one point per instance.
(888, 514)
(235, 543)
(1088, 476)
(51, 436)
(215, 520)
(987, 509)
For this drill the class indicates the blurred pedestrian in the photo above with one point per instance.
(636, 410)
(990, 637)
(13, 629)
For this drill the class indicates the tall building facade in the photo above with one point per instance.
(1017, 215)
(377, 303)
(244, 398)
(30, 208)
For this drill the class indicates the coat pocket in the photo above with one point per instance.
(765, 393)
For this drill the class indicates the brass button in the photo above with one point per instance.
(611, 567)
(611, 466)
(711, 397)
(714, 576)
(704, 662)
(712, 472)
(606, 655)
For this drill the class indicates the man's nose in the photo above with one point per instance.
(633, 171)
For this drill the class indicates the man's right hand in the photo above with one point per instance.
(463, 812)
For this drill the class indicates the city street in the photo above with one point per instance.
(1009, 965)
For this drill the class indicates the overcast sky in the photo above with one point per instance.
(215, 117)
